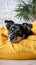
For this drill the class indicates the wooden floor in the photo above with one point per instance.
(17, 62)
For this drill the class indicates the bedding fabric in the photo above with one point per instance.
(25, 49)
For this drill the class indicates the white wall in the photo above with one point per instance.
(7, 8)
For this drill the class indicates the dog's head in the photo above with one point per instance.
(14, 30)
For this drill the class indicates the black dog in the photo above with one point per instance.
(15, 30)
(21, 30)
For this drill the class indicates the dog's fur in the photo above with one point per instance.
(27, 29)
(21, 30)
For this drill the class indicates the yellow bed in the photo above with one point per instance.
(25, 49)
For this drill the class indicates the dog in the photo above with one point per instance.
(18, 30)
(15, 31)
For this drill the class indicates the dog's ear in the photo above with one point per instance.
(6, 21)
(9, 21)
(24, 24)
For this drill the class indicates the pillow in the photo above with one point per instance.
(32, 38)
(33, 30)
(34, 24)
(25, 49)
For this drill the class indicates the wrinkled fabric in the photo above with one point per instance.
(25, 49)
(33, 29)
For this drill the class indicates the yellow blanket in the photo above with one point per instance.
(25, 49)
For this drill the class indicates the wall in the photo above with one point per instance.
(7, 8)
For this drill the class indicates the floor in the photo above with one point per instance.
(17, 62)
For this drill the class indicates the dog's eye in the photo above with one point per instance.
(12, 28)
